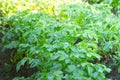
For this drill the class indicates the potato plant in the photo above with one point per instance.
(47, 40)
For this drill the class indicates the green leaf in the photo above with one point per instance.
(71, 68)
(119, 69)
(58, 73)
(96, 55)
(90, 69)
(107, 46)
(21, 63)
(34, 62)
(54, 57)
(13, 44)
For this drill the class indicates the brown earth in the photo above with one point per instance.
(8, 70)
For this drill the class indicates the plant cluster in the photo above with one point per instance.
(67, 42)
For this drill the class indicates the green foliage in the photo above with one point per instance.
(47, 41)
(113, 3)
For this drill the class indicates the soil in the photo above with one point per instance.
(8, 70)
(4, 61)
(114, 75)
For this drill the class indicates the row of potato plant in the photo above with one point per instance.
(67, 45)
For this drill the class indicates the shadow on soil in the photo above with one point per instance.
(8, 70)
